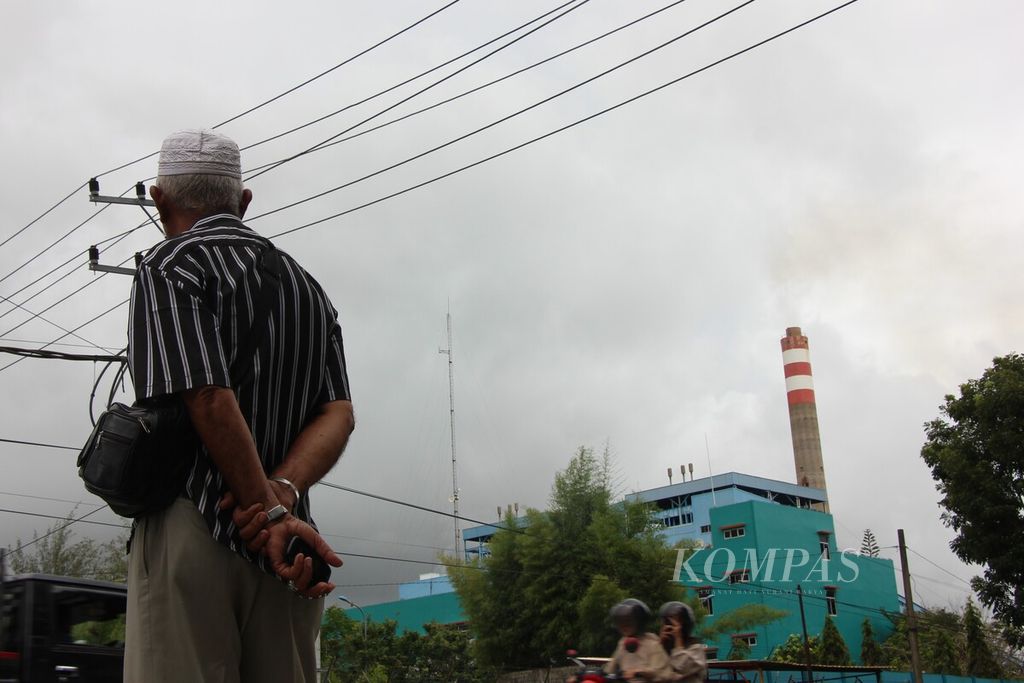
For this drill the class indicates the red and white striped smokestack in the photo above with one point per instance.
(803, 412)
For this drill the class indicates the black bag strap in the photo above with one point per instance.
(270, 267)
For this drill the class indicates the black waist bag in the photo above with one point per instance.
(137, 457)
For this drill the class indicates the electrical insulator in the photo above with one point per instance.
(140, 190)
(94, 254)
(94, 186)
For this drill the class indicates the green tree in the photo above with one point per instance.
(976, 454)
(980, 660)
(739, 649)
(544, 584)
(443, 653)
(869, 545)
(791, 651)
(941, 655)
(833, 647)
(56, 551)
(870, 651)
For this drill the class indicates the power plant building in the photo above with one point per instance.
(757, 540)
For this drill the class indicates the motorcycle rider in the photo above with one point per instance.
(639, 654)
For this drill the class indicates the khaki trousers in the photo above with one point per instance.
(199, 612)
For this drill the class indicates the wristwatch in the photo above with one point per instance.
(275, 513)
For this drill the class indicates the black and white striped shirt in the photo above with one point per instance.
(192, 304)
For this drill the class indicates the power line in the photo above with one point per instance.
(233, 118)
(60, 355)
(43, 214)
(423, 90)
(58, 240)
(55, 500)
(414, 506)
(267, 169)
(339, 65)
(494, 123)
(60, 301)
(80, 519)
(109, 242)
(564, 128)
(500, 79)
(88, 322)
(21, 549)
(499, 121)
(38, 443)
(68, 344)
(963, 581)
(405, 82)
(50, 322)
(290, 90)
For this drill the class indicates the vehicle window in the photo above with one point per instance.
(88, 618)
(10, 634)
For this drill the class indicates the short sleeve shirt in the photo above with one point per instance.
(192, 306)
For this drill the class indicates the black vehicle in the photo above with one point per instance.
(55, 629)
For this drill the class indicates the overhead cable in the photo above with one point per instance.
(87, 322)
(83, 521)
(60, 301)
(409, 80)
(51, 499)
(340, 64)
(62, 527)
(579, 3)
(566, 127)
(109, 242)
(502, 120)
(55, 242)
(417, 507)
(42, 445)
(60, 355)
(43, 214)
(478, 88)
(237, 116)
(50, 322)
(293, 88)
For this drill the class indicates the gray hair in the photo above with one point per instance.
(207, 194)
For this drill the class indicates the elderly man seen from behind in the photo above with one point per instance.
(211, 596)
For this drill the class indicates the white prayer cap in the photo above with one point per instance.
(199, 152)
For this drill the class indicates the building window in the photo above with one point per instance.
(740, 576)
(749, 638)
(830, 600)
(705, 529)
(736, 531)
(705, 594)
(677, 520)
(823, 544)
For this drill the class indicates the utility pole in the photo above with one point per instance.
(451, 414)
(808, 673)
(915, 657)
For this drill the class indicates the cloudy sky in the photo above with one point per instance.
(624, 282)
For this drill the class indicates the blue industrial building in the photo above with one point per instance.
(759, 538)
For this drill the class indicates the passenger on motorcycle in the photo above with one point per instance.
(687, 655)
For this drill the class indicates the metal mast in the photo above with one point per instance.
(451, 414)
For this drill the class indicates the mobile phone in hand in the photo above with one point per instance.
(321, 570)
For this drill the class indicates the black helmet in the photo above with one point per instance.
(632, 610)
(682, 612)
